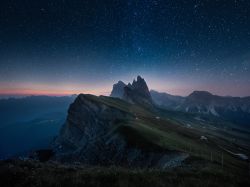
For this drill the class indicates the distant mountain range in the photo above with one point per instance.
(14, 110)
(166, 100)
(30, 123)
(234, 109)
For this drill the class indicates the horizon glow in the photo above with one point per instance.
(65, 47)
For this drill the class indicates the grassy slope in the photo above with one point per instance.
(166, 132)
(169, 134)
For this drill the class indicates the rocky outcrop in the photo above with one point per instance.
(94, 133)
(87, 123)
(118, 90)
(136, 93)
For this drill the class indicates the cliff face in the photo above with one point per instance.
(94, 133)
(136, 93)
(84, 133)
(118, 90)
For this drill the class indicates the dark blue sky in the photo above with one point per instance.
(66, 46)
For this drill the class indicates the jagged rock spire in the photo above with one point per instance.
(137, 92)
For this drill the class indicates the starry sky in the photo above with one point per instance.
(65, 47)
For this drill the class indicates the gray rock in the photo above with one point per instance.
(92, 135)
(136, 93)
(118, 90)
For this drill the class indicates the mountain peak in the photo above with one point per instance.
(118, 89)
(120, 83)
(200, 94)
(139, 78)
(137, 92)
(140, 84)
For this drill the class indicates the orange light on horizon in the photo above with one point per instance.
(26, 92)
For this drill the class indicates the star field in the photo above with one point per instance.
(64, 47)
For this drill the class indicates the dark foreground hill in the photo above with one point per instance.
(19, 173)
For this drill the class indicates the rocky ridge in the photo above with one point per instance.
(136, 93)
(94, 134)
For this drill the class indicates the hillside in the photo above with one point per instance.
(123, 137)
(208, 161)
(158, 130)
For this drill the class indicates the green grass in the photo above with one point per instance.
(167, 133)
(145, 131)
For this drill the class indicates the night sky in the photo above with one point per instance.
(59, 47)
